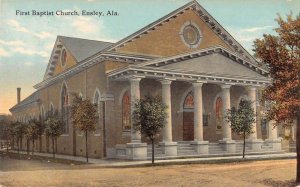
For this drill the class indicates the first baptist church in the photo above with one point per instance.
(186, 57)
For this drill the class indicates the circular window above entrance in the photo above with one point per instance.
(190, 34)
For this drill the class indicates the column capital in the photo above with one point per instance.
(134, 79)
(166, 81)
(225, 86)
(252, 88)
(198, 84)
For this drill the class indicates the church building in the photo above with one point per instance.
(187, 58)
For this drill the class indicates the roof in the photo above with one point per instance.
(34, 97)
(83, 48)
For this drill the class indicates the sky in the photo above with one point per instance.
(26, 42)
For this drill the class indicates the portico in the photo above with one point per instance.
(169, 80)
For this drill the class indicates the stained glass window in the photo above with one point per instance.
(189, 101)
(96, 102)
(126, 111)
(219, 104)
(65, 109)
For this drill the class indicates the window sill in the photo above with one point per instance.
(98, 134)
(64, 135)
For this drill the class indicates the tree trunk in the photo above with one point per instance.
(21, 143)
(27, 147)
(152, 141)
(86, 147)
(53, 150)
(298, 149)
(13, 143)
(244, 146)
(32, 151)
(40, 143)
(18, 144)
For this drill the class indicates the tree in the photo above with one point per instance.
(281, 54)
(7, 130)
(84, 118)
(149, 118)
(53, 129)
(20, 129)
(241, 120)
(32, 132)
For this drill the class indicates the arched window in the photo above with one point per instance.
(189, 101)
(126, 111)
(51, 110)
(42, 114)
(63, 57)
(65, 109)
(96, 102)
(219, 106)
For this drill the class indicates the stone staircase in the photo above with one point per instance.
(266, 147)
(239, 147)
(158, 152)
(216, 148)
(185, 149)
(292, 147)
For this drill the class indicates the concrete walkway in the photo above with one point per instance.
(129, 163)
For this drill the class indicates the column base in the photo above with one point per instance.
(136, 151)
(169, 148)
(201, 147)
(276, 144)
(255, 144)
(228, 145)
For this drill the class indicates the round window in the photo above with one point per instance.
(63, 57)
(190, 34)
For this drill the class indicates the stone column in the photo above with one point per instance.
(228, 143)
(226, 106)
(166, 98)
(255, 144)
(169, 148)
(252, 97)
(134, 95)
(272, 130)
(198, 114)
(199, 145)
(136, 150)
(273, 137)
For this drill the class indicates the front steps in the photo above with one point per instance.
(185, 149)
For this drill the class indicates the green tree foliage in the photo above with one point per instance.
(281, 53)
(84, 116)
(53, 129)
(20, 129)
(241, 120)
(149, 118)
(6, 133)
(32, 131)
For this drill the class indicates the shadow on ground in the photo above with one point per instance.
(274, 183)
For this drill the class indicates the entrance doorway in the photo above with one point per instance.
(188, 117)
(188, 126)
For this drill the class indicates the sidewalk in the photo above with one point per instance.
(128, 163)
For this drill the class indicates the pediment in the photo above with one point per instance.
(162, 38)
(215, 64)
(68, 51)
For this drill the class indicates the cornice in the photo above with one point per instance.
(181, 75)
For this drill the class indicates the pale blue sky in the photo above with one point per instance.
(26, 41)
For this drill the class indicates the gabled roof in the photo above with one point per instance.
(83, 48)
(34, 97)
(205, 16)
